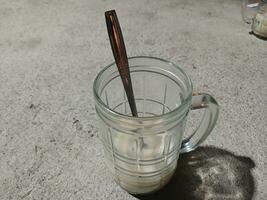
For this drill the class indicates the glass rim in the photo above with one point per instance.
(127, 117)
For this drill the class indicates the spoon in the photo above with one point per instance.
(120, 55)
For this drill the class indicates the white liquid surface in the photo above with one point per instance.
(259, 25)
(148, 168)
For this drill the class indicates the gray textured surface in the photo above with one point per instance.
(50, 52)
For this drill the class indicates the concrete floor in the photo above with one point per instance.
(50, 52)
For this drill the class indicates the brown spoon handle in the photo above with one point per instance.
(120, 55)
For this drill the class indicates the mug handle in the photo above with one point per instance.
(199, 101)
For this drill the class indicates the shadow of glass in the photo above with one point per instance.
(209, 173)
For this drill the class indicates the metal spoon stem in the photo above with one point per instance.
(120, 55)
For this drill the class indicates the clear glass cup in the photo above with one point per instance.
(142, 152)
(254, 13)
(259, 25)
(249, 9)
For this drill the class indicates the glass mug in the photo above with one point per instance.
(254, 12)
(142, 152)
